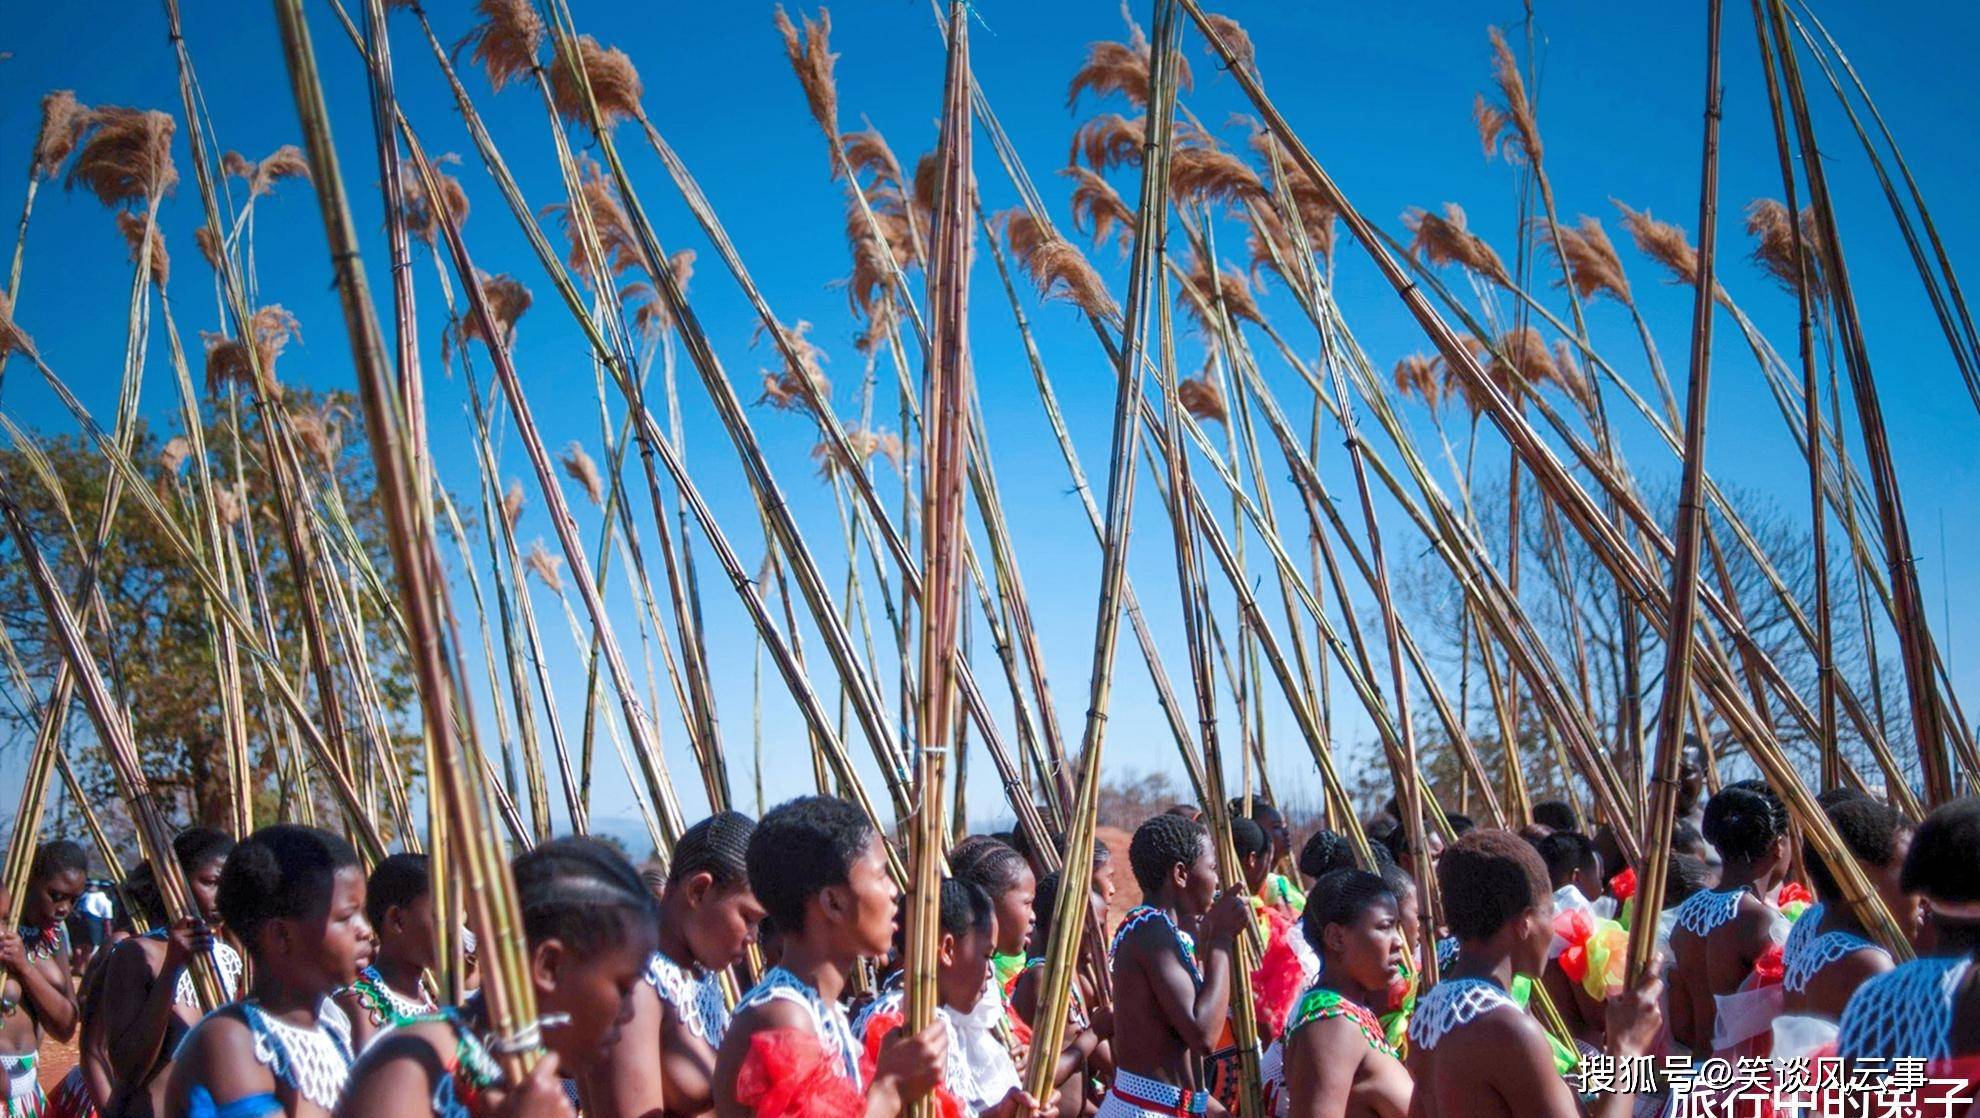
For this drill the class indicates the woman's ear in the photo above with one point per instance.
(833, 900)
(946, 951)
(697, 888)
(1333, 937)
(546, 959)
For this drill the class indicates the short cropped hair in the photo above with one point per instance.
(1487, 878)
(281, 872)
(801, 847)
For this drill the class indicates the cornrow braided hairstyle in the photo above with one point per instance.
(992, 864)
(1744, 820)
(717, 846)
(1248, 837)
(580, 892)
(1341, 897)
(282, 872)
(1160, 844)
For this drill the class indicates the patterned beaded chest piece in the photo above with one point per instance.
(314, 1061)
(828, 1019)
(1144, 915)
(1321, 1004)
(384, 1005)
(1451, 1005)
(695, 994)
(1808, 950)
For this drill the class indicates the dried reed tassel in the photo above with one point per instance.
(1235, 36)
(128, 156)
(811, 57)
(866, 446)
(63, 121)
(321, 431)
(1109, 140)
(1201, 397)
(132, 226)
(1418, 376)
(1115, 67)
(12, 338)
(1057, 268)
(1663, 242)
(614, 83)
(1201, 293)
(1589, 257)
(1516, 110)
(544, 565)
(424, 211)
(209, 246)
(228, 359)
(584, 471)
(1208, 174)
(1774, 239)
(783, 389)
(1447, 240)
(507, 39)
(513, 502)
(507, 300)
(1095, 202)
(172, 457)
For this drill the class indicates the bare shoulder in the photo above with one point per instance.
(218, 1054)
(776, 1013)
(404, 1050)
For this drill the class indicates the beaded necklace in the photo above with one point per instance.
(1146, 914)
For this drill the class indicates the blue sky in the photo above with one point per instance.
(1381, 94)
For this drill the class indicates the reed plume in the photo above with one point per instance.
(783, 389)
(584, 471)
(1109, 140)
(1589, 257)
(608, 217)
(63, 122)
(1773, 232)
(172, 457)
(1316, 214)
(1114, 67)
(127, 157)
(867, 152)
(877, 249)
(1095, 202)
(228, 360)
(1235, 36)
(507, 300)
(1515, 109)
(230, 503)
(506, 39)
(1205, 174)
(513, 501)
(285, 162)
(651, 315)
(132, 226)
(321, 432)
(865, 446)
(615, 83)
(927, 185)
(1663, 242)
(208, 243)
(1519, 364)
(544, 565)
(1447, 240)
(423, 210)
(810, 52)
(1419, 376)
(1057, 268)
(1204, 285)
(1201, 397)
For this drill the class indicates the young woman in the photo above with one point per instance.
(994, 1041)
(1085, 1064)
(1336, 1055)
(968, 933)
(820, 870)
(588, 922)
(1929, 1008)
(1473, 1052)
(1718, 934)
(36, 999)
(139, 1002)
(1829, 954)
(294, 897)
(664, 1060)
(398, 902)
(1172, 961)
